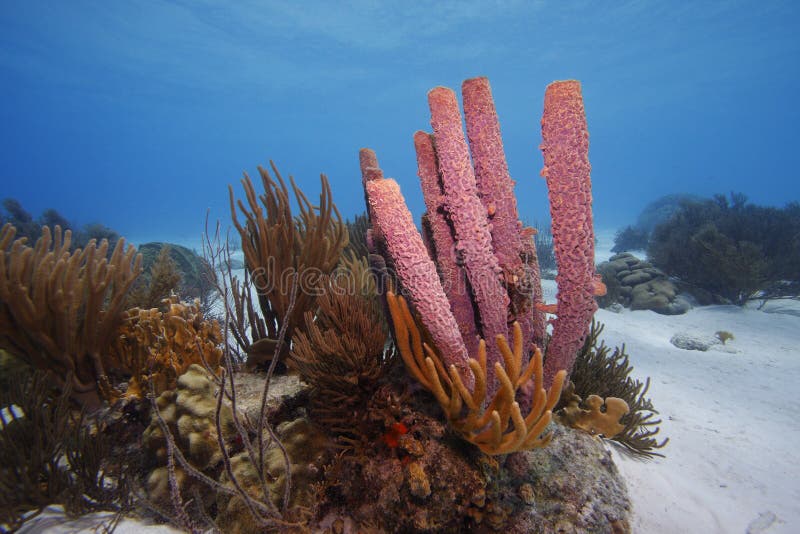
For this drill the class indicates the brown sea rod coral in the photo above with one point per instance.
(276, 246)
(342, 352)
(59, 311)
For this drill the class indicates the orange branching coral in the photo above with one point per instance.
(59, 311)
(160, 346)
(499, 428)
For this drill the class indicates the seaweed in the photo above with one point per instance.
(53, 455)
(599, 371)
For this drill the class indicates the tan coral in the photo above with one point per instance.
(277, 244)
(595, 421)
(497, 427)
(158, 347)
(190, 413)
(60, 310)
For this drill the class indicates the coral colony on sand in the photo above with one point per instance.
(472, 331)
(472, 275)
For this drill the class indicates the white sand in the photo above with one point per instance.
(732, 460)
(731, 463)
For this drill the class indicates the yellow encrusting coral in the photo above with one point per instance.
(499, 427)
(594, 421)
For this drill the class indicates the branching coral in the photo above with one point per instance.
(60, 311)
(157, 347)
(277, 246)
(599, 371)
(500, 428)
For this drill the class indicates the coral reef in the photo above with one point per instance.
(60, 311)
(345, 442)
(278, 246)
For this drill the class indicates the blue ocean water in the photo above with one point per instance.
(139, 114)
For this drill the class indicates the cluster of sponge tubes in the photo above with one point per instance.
(472, 274)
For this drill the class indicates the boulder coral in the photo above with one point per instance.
(190, 413)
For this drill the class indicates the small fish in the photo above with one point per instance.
(599, 288)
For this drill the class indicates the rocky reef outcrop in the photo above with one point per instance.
(637, 285)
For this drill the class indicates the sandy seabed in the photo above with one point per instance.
(732, 463)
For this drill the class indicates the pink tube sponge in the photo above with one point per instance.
(416, 271)
(491, 173)
(497, 194)
(565, 148)
(454, 280)
(469, 218)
